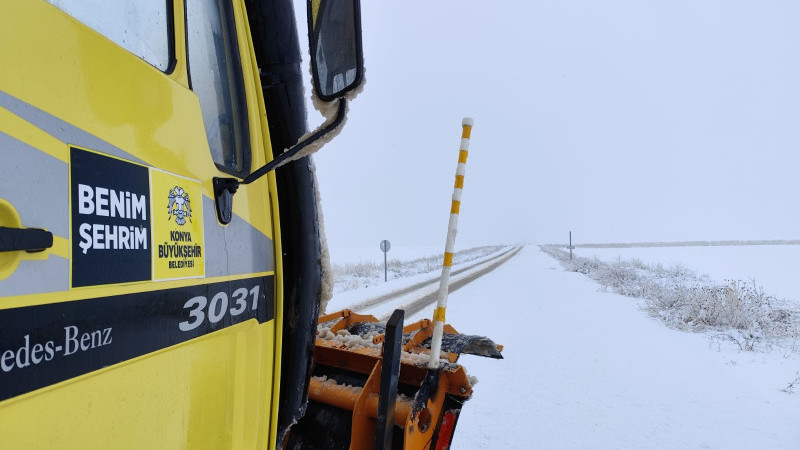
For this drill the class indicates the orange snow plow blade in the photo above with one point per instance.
(355, 404)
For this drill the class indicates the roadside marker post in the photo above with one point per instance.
(441, 303)
(571, 247)
(385, 246)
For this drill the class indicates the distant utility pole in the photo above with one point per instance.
(385, 246)
(570, 245)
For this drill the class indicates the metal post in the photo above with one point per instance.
(570, 245)
(441, 303)
(385, 246)
(390, 371)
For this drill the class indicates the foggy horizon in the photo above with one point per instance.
(622, 122)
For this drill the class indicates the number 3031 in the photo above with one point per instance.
(217, 307)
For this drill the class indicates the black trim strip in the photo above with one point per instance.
(172, 58)
(276, 45)
(186, 45)
(47, 344)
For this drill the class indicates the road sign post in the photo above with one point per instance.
(385, 246)
(570, 245)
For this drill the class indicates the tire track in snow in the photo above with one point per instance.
(417, 305)
(458, 279)
(370, 302)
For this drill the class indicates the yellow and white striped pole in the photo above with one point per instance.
(441, 303)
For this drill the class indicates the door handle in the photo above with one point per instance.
(30, 240)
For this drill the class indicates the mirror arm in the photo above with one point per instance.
(279, 160)
(224, 188)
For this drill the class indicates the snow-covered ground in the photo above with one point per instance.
(774, 267)
(590, 369)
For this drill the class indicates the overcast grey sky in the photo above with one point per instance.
(619, 120)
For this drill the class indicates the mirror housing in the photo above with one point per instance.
(334, 38)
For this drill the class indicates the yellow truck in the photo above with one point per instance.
(160, 261)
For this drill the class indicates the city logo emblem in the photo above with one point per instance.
(179, 205)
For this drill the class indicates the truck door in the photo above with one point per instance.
(129, 316)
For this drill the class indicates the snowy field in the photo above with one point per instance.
(591, 369)
(774, 267)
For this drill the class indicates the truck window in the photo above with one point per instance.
(138, 26)
(216, 78)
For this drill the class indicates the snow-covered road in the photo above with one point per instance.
(585, 369)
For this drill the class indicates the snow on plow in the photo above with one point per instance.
(354, 403)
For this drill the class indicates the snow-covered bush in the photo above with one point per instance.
(738, 311)
(351, 275)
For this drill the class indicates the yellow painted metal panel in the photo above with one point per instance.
(217, 391)
(253, 81)
(24, 131)
(80, 76)
(202, 394)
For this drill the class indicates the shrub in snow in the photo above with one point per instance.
(739, 311)
(789, 389)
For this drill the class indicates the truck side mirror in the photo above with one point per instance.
(337, 67)
(337, 62)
